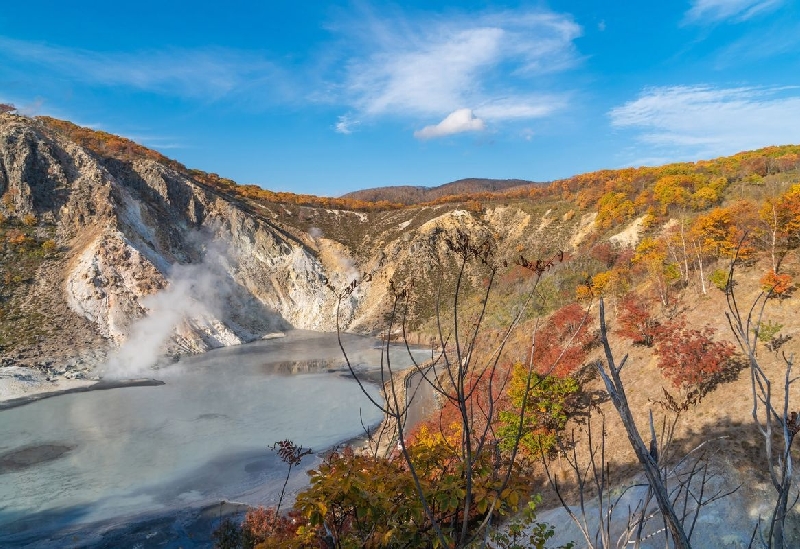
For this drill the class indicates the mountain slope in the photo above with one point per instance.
(126, 230)
(406, 194)
(99, 232)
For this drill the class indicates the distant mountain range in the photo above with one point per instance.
(408, 194)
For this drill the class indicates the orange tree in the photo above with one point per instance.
(780, 227)
(776, 285)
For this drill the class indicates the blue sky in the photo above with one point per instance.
(326, 98)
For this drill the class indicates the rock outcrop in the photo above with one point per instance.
(131, 231)
(151, 254)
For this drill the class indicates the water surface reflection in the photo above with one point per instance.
(201, 437)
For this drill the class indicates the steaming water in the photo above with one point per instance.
(202, 437)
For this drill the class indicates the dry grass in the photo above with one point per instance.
(723, 419)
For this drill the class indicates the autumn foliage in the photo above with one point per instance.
(778, 285)
(689, 356)
(548, 401)
(562, 344)
(636, 321)
(372, 502)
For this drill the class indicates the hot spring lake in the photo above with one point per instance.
(109, 457)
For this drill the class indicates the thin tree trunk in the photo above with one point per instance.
(616, 391)
(700, 267)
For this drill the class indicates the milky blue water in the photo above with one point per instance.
(201, 437)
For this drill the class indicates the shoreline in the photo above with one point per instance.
(101, 385)
(170, 526)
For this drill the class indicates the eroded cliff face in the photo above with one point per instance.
(131, 232)
(149, 256)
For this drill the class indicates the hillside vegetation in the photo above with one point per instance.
(407, 195)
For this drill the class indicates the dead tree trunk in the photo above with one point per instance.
(616, 390)
(767, 413)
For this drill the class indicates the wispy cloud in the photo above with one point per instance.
(695, 121)
(782, 38)
(208, 73)
(460, 121)
(711, 11)
(432, 66)
(345, 124)
(521, 107)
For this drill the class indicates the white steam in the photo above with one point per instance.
(179, 302)
(344, 265)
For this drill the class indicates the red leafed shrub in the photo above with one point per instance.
(636, 321)
(561, 347)
(485, 391)
(563, 343)
(689, 357)
(605, 253)
(779, 284)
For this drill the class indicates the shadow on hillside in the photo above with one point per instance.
(727, 446)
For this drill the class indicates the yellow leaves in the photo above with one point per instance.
(672, 190)
(716, 233)
(649, 249)
(614, 208)
(613, 281)
(429, 440)
(584, 293)
(601, 280)
(704, 197)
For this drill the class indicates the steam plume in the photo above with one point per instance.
(179, 301)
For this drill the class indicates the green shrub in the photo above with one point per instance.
(767, 330)
(720, 279)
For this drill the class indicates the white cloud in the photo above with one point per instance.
(734, 10)
(696, 121)
(431, 66)
(345, 125)
(460, 121)
(521, 107)
(208, 73)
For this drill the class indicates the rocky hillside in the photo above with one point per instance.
(129, 237)
(95, 240)
(98, 233)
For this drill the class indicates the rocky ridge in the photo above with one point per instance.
(139, 237)
(128, 232)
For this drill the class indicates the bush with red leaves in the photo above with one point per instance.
(688, 357)
(636, 321)
(562, 344)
